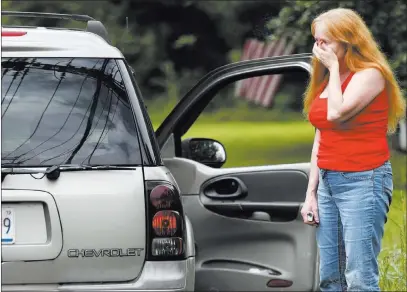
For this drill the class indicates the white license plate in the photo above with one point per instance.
(8, 230)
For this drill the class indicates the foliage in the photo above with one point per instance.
(198, 36)
(386, 20)
(195, 36)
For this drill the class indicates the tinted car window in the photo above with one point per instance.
(66, 111)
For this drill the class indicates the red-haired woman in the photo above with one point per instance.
(353, 100)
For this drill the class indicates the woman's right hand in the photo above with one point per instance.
(310, 206)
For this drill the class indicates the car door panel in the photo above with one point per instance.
(269, 194)
(243, 243)
(248, 230)
(235, 254)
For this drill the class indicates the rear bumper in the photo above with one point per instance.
(155, 277)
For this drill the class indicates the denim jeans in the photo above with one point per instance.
(352, 209)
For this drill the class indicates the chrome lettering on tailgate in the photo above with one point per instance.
(104, 252)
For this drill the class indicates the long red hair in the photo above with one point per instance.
(362, 52)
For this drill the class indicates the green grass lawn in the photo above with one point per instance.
(259, 143)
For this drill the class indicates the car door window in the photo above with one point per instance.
(259, 120)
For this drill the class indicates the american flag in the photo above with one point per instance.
(261, 90)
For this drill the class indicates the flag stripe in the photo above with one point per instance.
(253, 81)
(269, 95)
(249, 47)
(269, 51)
(260, 95)
(250, 55)
(262, 89)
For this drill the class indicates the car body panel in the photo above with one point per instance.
(95, 213)
(176, 276)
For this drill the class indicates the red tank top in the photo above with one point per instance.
(356, 145)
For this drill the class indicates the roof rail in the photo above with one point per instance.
(93, 26)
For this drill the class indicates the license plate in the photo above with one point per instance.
(8, 230)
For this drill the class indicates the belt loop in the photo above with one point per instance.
(323, 173)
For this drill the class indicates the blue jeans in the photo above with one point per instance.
(352, 209)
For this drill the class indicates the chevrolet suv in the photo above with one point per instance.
(93, 199)
(85, 196)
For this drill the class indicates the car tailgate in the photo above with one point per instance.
(87, 226)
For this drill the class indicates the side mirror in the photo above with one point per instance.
(206, 151)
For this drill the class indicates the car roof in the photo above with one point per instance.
(51, 42)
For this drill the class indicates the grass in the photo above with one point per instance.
(393, 255)
(263, 143)
(289, 141)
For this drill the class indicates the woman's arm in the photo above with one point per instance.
(362, 89)
(314, 170)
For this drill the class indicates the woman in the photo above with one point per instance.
(352, 100)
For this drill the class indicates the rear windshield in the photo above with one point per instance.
(66, 111)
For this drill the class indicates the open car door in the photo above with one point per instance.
(247, 224)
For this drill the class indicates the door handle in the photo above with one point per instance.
(225, 188)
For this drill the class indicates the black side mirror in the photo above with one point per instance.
(206, 151)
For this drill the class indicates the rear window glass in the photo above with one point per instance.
(66, 111)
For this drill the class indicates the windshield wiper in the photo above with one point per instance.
(53, 172)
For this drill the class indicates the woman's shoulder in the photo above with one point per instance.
(370, 72)
(369, 75)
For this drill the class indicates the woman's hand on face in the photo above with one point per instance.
(325, 55)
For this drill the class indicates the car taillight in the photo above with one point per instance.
(12, 33)
(166, 224)
(167, 247)
(162, 197)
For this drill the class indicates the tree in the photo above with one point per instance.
(386, 19)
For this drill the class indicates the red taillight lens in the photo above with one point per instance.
(165, 223)
(162, 197)
(12, 33)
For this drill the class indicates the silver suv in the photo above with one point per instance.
(93, 199)
(85, 195)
